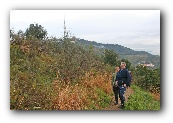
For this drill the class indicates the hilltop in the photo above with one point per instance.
(135, 57)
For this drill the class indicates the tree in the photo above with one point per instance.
(36, 31)
(111, 57)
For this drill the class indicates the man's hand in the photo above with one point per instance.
(125, 85)
(116, 82)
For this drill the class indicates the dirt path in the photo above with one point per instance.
(128, 92)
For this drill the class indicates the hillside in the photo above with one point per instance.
(61, 74)
(134, 57)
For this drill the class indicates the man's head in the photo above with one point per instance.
(123, 65)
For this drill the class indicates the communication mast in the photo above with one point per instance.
(64, 28)
(67, 34)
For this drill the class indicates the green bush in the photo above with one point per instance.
(141, 100)
(147, 78)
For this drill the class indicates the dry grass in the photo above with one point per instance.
(75, 97)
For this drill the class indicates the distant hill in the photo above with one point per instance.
(133, 56)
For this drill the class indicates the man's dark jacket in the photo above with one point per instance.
(123, 77)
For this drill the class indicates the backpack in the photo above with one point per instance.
(130, 78)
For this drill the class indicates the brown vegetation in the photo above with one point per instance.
(77, 97)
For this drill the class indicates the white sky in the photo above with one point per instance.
(135, 29)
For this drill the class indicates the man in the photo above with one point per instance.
(122, 79)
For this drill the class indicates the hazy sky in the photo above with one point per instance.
(135, 29)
